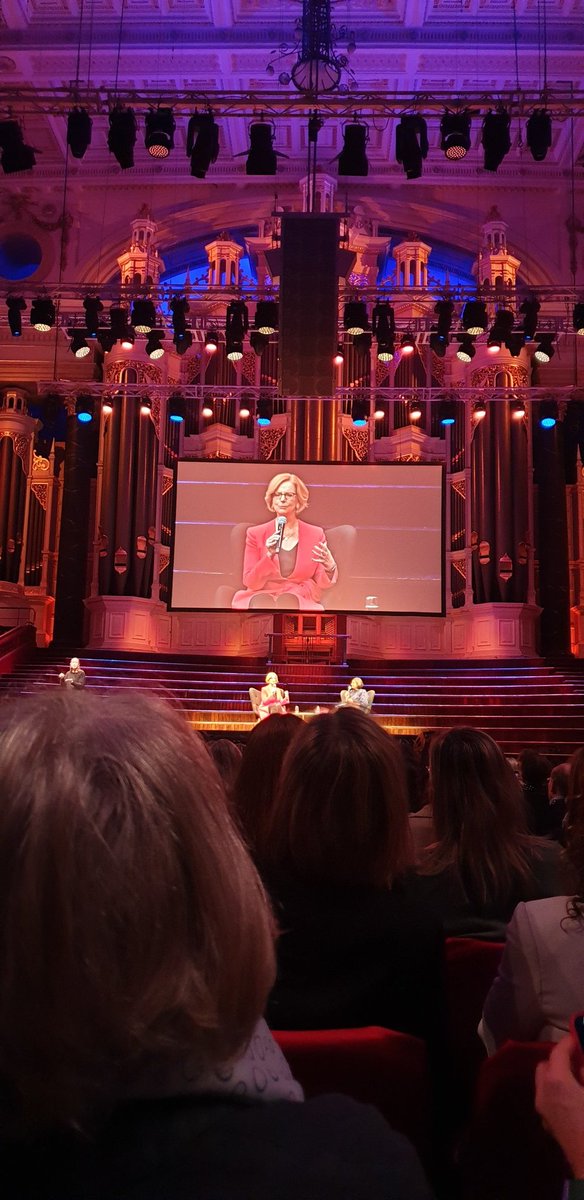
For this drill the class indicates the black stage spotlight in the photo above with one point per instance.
(42, 314)
(121, 330)
(93, 307)
(548, 414)
(530, 309)
(438, 344)
(16, 307)
(545, 347)
(234, 349)
(264, 411)
(474, 317)
(159, 135)
(106, 340)
(16, 155)
(444, 310)
(578, 319)
(143, 316)
(258, 342)
(177, 409)
(362, 343)
(411, 144)
(211, 341)
(447, 412)
(455, 134)
(515, 343)
(353, 157)
(466, 350)
(360, 413)
(84, 409)
(539, 133)
(496, 139)
(183, 341)
(266, 317)
(202, 143)
(502, 329)
(78, 345)
(355, 319)
(261, 156)
(236, 321)
(383, 325)
(179, 307)
(78, 131)
(154, 347)
(121, 138)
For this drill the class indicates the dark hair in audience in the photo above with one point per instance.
(575, 831)
(535, 768)
(479, 816)
(227, 758)
(340, 813)
(132, 921)
(256, 782)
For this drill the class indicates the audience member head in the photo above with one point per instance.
(256, 783)
(340, 812)
(227, 758)
(535, 769)
(535, 772)
(478, 814)
(133, 925)
(558, 782)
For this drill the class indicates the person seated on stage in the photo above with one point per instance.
(73, 678)
(136, 953)
(273, 699)
(356, 695)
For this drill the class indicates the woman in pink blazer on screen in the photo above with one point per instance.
(287, 563)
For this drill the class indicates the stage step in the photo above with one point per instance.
(522, 704)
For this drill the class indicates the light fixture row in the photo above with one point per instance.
(202, 141)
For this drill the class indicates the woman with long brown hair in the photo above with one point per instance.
(483, 861)
(541, 977)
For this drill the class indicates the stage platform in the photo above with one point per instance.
(521, 704)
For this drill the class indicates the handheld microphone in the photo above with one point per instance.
(280, 523)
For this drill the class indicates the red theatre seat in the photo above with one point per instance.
(471, 966)
(506, 1153)
(373, 1065)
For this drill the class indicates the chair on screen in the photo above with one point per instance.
(341, 540)
(255, 697)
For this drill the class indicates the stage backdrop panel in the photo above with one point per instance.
(384, 525)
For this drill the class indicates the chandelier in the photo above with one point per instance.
(318, 66)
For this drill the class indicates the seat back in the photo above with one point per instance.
(471, 966)
(506, 1153)
(255, 698)
(370, 699)
(344, 696)
(376, 1066)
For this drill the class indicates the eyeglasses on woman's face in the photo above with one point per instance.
(284, 496)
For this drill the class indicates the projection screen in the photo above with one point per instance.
(369, 539)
